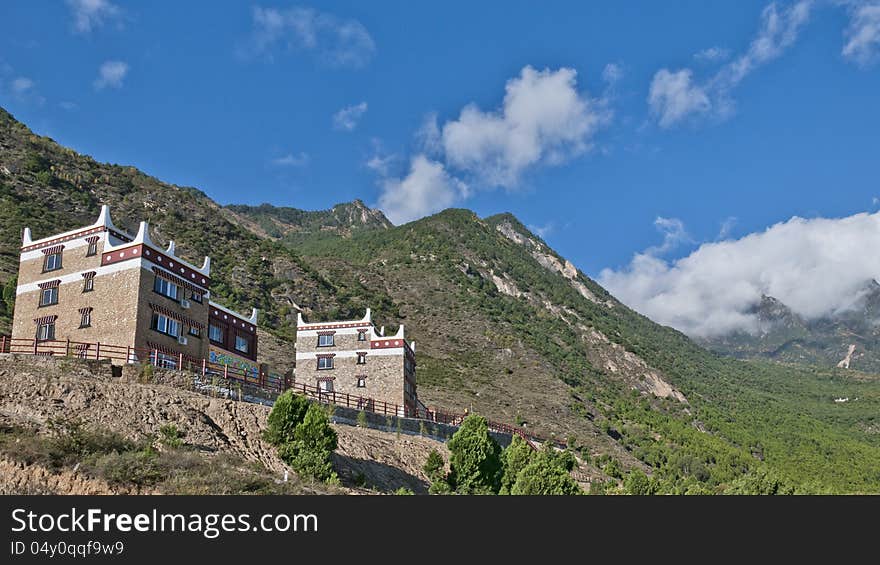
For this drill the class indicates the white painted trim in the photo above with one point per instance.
(77, 276)
(340, 331)
(251, 320)
(391, 351)
(73, 244)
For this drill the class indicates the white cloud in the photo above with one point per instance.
(675, 96)
(727, 227)
(542, 231)
(674, 234)
(91, 14)
(290, 160)
(815, 266)
(347, 118)
(863, 34)
(712, 55)
(111, 74)
(337, 42)
(543, 119)
(612, 73)
(22, 85)
(426, 189)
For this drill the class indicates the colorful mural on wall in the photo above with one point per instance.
(223, 358)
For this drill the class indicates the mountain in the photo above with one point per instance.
(504, 326)
(849, 338)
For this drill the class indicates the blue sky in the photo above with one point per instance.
(627, 124)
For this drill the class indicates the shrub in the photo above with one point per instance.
(287, 413)
(170, 436)
(475, 461)
(404, 491)
(637, 482)
(362, 419)
(313, 442)
(546, 473)
(514, 459)
(434, 466)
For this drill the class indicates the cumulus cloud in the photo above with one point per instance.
(612, 73)
(337, 42)
(542, 231)
(817, 267)
(426, 189)
(92, 14)
(543, 119)
(863, 34)
(111, 74)
(347, 118)
(675, 95)
(290, 160)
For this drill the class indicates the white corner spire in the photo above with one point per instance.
(206, 266)
(172, 247)
(143, 235)
(399, 332)
(253, 318)
(26, 238)
(104, 218)
(367, 316)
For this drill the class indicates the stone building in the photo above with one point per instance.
(99, 284)
(353, 357)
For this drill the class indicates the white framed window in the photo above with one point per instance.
(85, 320)
(241, 344)
(362, 336)
(325, 386)
(326, 340)
(46, 332)
(93, 249)
(362, 382)
(49, 296)
(325, 362)
(196, 296)
(215, 333)
(89, 284)
(165, 325)
(166, 288)
(53, 262)
(166, 361)
(362, 359)
(195, 331)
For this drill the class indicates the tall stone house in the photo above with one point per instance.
(99, 284)
(353, 357)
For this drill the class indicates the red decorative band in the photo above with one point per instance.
(53, 250)
(386, 343)
(168, 313)
(178, 281)
(327, 333)
(71, 237)
(85, 310)
(50, 284)
(46, 320)
(325, 355)
(89, 275)
(311, 327)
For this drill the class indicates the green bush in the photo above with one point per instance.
(475, 460)
(547, 472)
(434, 466)
(514, 459)
(637, 482)
(287, 413)
(170, 436)
(362, 419)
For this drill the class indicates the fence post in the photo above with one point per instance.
(180, 361)
(98, 351)
(35, 346)
(2, 344)
(226, 370)
(156, 357)
(127, 354)
(204, 366)
(67, 348)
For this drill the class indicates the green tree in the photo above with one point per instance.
(546, 473)
(434, 466)
(287, 413)
(759, 481)
(637, 482)
(475, 460)
(515, 457)
(313, 442)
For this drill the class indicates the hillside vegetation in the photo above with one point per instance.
(504, 326)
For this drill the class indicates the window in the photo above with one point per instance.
(49, 296)
(325, 340)
(362, 336)
(93, 249)
(89, 284)
(241, 344)
(362, 382)
(362, 359)
(85, 319)
(166, 361)
(195, 331)
(166, 288)
(325, 362)
(46, 331)
(215, 333)
(196, 297)
(166, 325)
(53, 262)
(325, 386)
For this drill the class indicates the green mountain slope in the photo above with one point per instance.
(504, 326)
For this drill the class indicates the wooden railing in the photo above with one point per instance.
(236, 377)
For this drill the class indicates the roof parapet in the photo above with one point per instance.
(26, 238)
